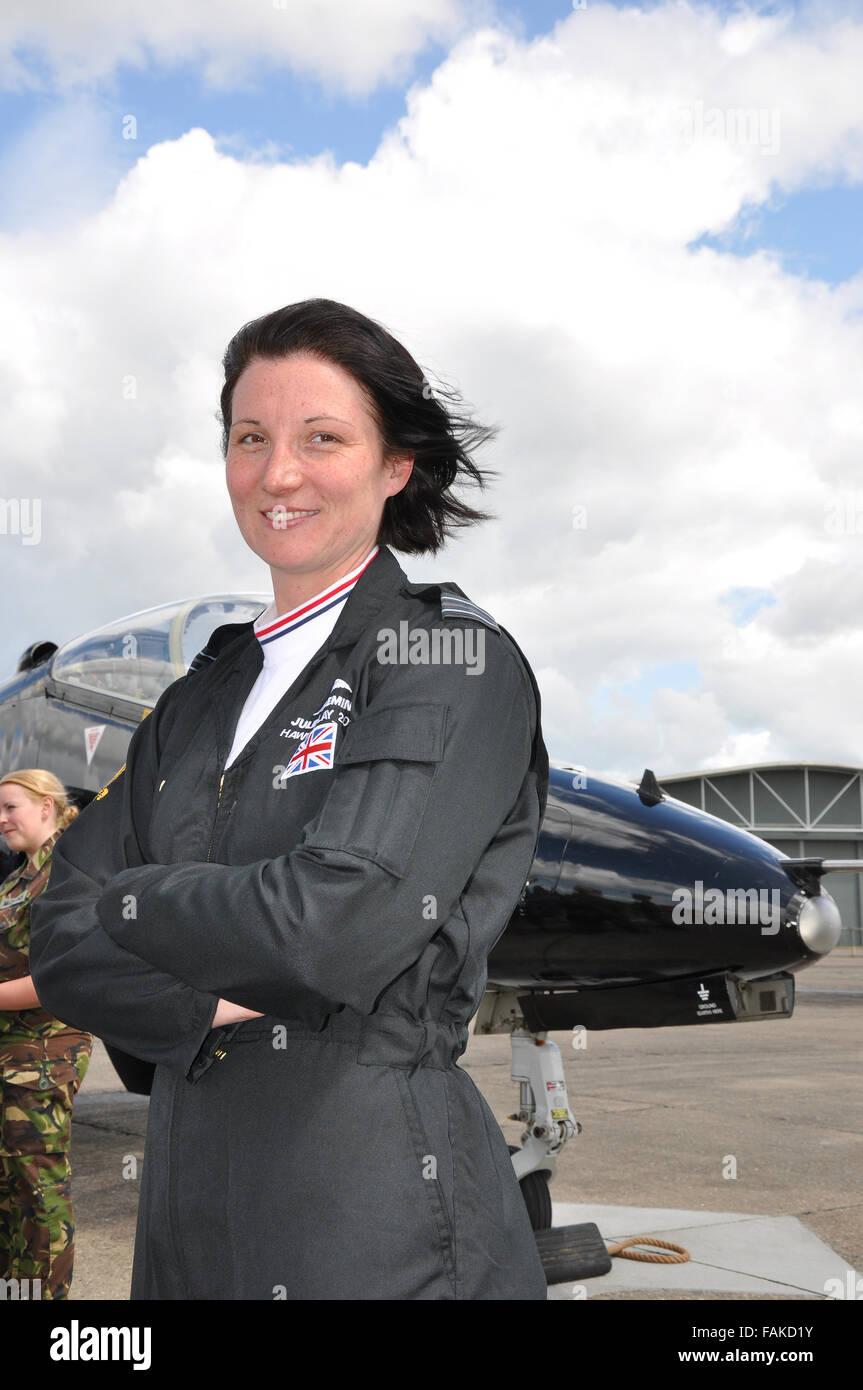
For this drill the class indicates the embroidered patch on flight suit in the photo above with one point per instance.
(316, 751)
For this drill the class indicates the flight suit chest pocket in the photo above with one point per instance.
(383, 778)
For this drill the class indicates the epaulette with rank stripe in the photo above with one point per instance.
(216, 641)
(200, 660)
(457, 606)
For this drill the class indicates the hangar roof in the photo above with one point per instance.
(788, 798)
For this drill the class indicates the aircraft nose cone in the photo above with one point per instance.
(819, 923)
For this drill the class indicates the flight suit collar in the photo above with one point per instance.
(271, 625)
(380, 583)
(383, 579)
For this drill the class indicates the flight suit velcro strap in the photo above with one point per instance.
(405, 733)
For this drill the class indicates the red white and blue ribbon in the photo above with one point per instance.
(298, 617)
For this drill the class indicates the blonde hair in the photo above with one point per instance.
(36, 782)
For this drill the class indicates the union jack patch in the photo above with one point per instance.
(316, 751)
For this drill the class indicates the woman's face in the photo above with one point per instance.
(306, 472)
(25, 822)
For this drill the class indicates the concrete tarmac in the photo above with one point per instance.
(662, 1111)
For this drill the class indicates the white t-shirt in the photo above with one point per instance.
(289, 642)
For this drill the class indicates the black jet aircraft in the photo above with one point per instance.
(640, 911)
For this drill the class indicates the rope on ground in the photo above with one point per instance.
(619, 1248)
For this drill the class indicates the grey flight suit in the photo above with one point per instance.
(332, 1149)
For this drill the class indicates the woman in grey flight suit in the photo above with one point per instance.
(287, 897)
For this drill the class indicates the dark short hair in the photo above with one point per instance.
(412, 417)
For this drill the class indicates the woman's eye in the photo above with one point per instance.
(253, 437)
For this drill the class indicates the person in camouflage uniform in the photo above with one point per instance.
(42, 1060)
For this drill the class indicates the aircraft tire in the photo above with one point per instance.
(537, 1196)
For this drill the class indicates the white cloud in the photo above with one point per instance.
(524, 231)
(740, 749)
(347, 45)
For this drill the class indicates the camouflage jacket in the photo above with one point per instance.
(16, 894)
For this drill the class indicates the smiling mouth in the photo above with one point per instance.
(280, 515)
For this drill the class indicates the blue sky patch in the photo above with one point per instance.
(287, 114)
(817, 232)
(673, 675)
(745, 603)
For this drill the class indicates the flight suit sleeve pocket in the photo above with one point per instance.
(384, 774)
(410, 733)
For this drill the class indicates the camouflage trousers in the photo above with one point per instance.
(38, 1081)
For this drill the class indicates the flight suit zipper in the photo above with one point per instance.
(226, 1037)
(216, 817)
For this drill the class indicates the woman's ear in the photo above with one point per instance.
(400, 467)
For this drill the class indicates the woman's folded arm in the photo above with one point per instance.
(81, 975)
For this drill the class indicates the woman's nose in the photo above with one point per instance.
(284, 468)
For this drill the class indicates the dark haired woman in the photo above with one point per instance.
(288, 898)
(42, 1060)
